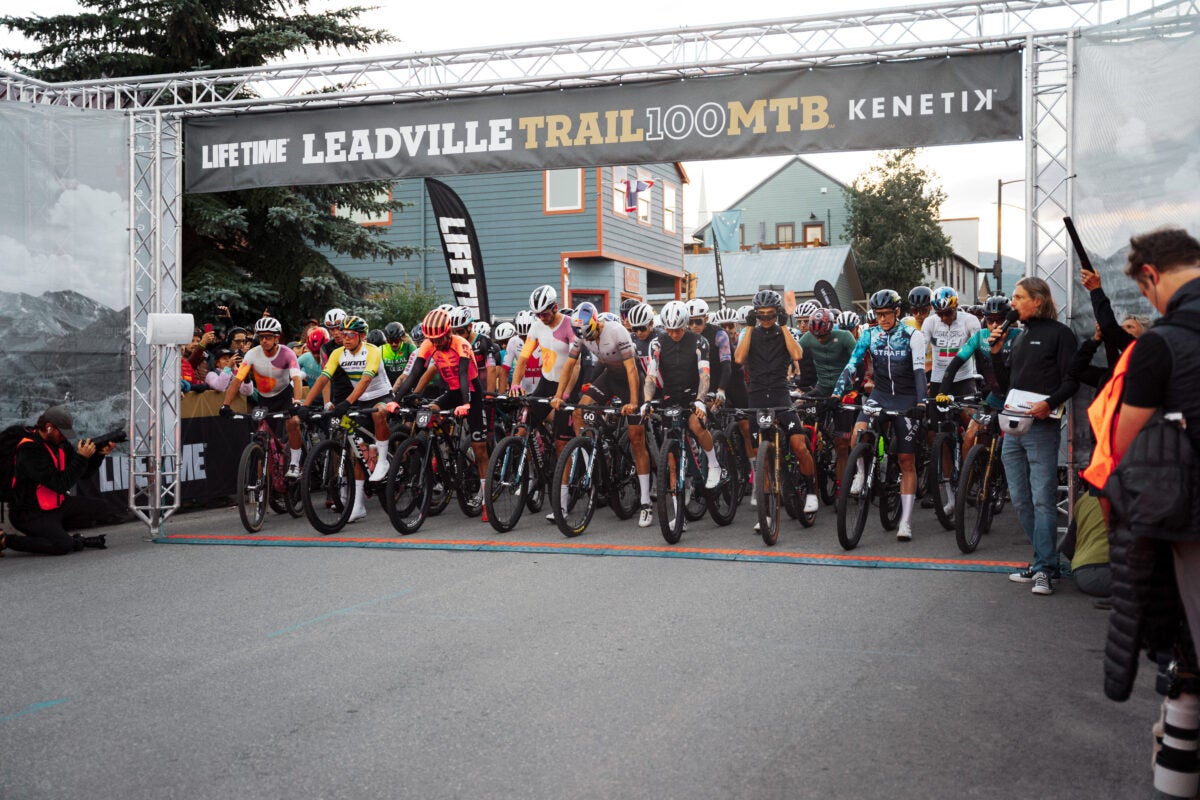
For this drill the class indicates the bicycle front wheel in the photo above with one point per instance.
(625, 493)
(253, 487)
(941, 478)
(852, 510)
(670, 491)
(827, 473)
(889, 495)
(328, 486)
(507, 482)
(767, 494)
(577, 474)
(723, 500)
(407, 492)
(972, 505)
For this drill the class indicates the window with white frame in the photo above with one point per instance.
(362, 218)
(669, 208)
(564, 190)
(619, 176)
(643, 199)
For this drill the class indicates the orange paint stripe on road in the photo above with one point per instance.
(596, 546)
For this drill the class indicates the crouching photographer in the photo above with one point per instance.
(46, 467)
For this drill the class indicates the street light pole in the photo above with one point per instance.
(996, 267)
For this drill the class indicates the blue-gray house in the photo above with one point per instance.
(568, 228)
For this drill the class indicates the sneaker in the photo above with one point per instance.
(904, 533)
(857, 486)
(948, 508)
(1041, 584)
(381, 470)
(645, 517)
(714, 476)
(293, 472)
(810, 504)
(753, 499)
(357, 513)
(550, 517)
(1027, 575)
(927, 501)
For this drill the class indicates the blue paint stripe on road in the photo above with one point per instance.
(34, 708)
(346, 610)
(765, 558)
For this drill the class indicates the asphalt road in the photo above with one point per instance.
(216, 671)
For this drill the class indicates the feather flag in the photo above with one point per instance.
(632, 189)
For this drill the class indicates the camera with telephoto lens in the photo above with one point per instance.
(112, 437)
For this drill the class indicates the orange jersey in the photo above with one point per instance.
(447, 360)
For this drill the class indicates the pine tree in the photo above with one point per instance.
(249, 249)
(892, 223)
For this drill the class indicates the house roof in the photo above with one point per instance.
(787, 164)
(798, 269)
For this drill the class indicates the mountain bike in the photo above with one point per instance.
(683, 470)
(875, 455)
(945, 460)
(327, 483)
(262, 470)
(592, 465)
(436, 461)
(777, 479)
(520, 467)
(983, 487)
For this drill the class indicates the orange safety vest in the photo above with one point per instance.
(48, 499)
(1102, 414)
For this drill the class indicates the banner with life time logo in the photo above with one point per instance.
(919, 103)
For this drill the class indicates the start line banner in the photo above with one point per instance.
(952, 100)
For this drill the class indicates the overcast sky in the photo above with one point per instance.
(967, 173)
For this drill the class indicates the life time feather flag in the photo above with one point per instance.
(632, 189)
(460, 246)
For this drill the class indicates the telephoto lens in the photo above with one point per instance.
(1176, 768)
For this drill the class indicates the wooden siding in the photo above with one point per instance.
(788, 198)
(523, 247)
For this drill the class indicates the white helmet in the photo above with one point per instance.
(639, 315)
(333, 318)
(524, 319)
(807, 309)
(505, 330)
(268, 325)
(675, 315)
(461, 317)
(724, 316)
(608, 316)
(745, 314)
(542, 299)
(481, 328)
(848, 320)
(698, 308)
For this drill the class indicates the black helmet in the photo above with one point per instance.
(920, 297)
(376, 338)
(767, 298)
(996, 306)
(393, 331)
(885, 298)
(627, 305)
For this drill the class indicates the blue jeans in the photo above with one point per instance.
(1031, 466)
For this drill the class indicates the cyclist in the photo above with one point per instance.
(550, 337)
(720, 354)
(897, 353)
(340, 387)
(830, 349)
(991, 363)
(735, 392)
(920, 303)
(766, 351)
(679, 363)
(806, 371)
(463, 325)
(616, 379)
(533, 365)
(849, 322)
(273, 368)
(505, 332)
(396, 350)
(451, 357)
(627, 305)
(362, 365)
(947, 330)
